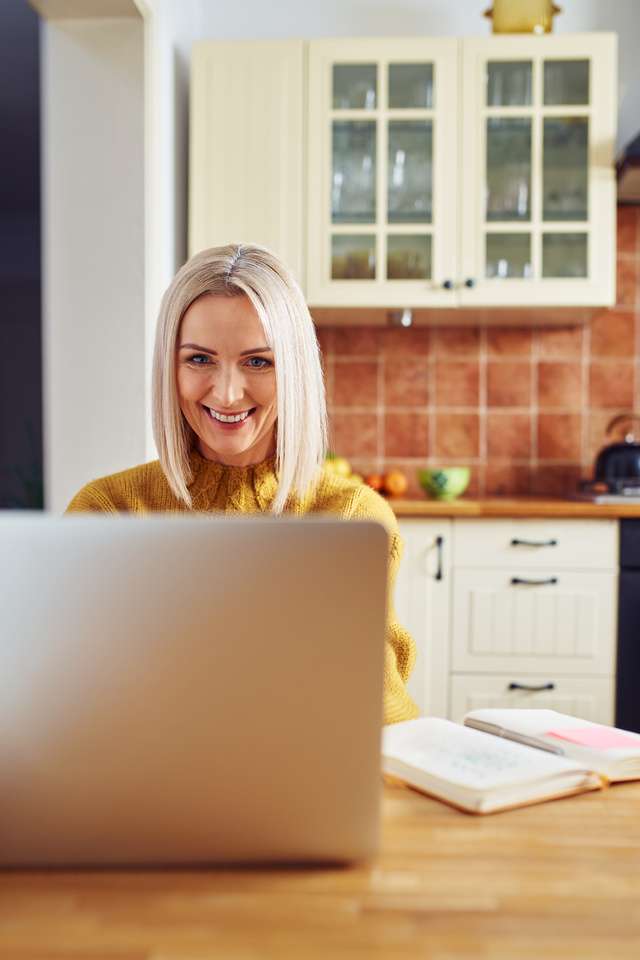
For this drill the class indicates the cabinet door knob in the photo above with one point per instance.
(448, 284)
(527, 686)
(533, 583)
(469, 282)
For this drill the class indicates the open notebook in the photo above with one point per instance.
(609, 751)
(475, 771)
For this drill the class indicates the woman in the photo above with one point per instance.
(239, 417)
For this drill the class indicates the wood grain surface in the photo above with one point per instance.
(557, 880)
(512, 507)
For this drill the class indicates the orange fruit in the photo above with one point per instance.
(374, 480)
(395, 483)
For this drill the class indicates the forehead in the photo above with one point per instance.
(212, 320)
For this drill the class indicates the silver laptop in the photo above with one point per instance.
(189, 689)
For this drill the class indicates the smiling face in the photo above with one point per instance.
(226, 380)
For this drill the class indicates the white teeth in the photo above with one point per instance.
(223, 419)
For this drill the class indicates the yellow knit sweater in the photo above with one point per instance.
(216, 487)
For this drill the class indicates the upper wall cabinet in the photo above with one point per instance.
(432, 172)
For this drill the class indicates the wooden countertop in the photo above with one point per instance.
(556, 880)
(512, 507)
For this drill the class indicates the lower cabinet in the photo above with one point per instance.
(511, 613)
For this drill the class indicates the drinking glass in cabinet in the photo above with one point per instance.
(566, 82)
(508, 168)
(509, 83)
(508, 255)
(411, 86)
(564, 254)
(353, 193)
(353, 257)
(565, 168)
(409, 257)
(354, 86)
(410, 171)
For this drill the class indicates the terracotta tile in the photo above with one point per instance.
(325, 339)
(457, 383)
(559, 436)
(502, 478)
(613, 334)
(456, 341)
(555, 480)
(352, 341)
(406, 382)
(627, 282)
(457, 435)
(354, 434)
(415, 341)
(509, 434)
(611, 385)
(560, 385)
(561, 342)
(410, 470)
(509, 342)
(508, 384)
(628, 229)
(355, 383)
(406, 435)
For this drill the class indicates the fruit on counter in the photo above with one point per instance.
(338, 465)
(395, 483)
(357, 476)
(375, 481)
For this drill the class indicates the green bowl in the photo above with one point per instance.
(444, 483)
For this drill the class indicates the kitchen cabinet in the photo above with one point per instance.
(531, 621)
(432, 172)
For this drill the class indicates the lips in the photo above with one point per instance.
(233, 424)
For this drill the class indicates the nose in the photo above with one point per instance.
(228, 386)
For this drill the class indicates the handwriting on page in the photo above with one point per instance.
(599, 738)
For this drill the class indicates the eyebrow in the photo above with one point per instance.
(213, 353)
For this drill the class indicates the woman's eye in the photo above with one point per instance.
(199, 359)
(259, 363)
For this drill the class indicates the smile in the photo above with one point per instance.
(233, 418)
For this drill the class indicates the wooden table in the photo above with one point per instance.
(558, 880)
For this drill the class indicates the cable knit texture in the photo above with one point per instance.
(219, 488)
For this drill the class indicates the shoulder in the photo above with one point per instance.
(354, 500)
(137, 489)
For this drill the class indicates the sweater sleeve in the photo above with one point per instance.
(92, 499)
(400, 650)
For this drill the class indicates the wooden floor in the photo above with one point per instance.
(558, 880)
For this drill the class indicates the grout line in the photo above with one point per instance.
(586, 407)
(380, 408)
(482, 408)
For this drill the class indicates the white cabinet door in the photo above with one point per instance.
(534, 620)
(247, 146)
(538, 180)
(382, 172)
(591, 699)
(422, 601)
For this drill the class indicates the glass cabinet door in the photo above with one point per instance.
(382, 143)
(538, 186)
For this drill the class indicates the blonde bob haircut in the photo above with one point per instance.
(301, 425)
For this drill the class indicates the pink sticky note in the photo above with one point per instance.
(600, 738)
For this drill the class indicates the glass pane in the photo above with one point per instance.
(409, 258)
(508, 255)
(353, 184)
(564, 254)
(354, 86)
(410, 171)
(509, 83)
(508, 168)
(565, 168)
(566, 82)
(411, 85)
(353, 258)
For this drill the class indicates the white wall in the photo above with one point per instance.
(93, 251)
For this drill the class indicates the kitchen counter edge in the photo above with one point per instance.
(529, 507)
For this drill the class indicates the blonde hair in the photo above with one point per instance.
(254, 271)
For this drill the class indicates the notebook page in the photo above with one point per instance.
(471, 759)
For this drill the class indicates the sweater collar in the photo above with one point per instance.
(212, 480)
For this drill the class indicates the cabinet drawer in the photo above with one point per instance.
(566, 626)
(590, 699)
(513, 544)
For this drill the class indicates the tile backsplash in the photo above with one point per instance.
(526, 408)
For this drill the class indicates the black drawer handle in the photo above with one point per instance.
(438, 573)
(526, 686)
(533, 543)
(534, 583)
